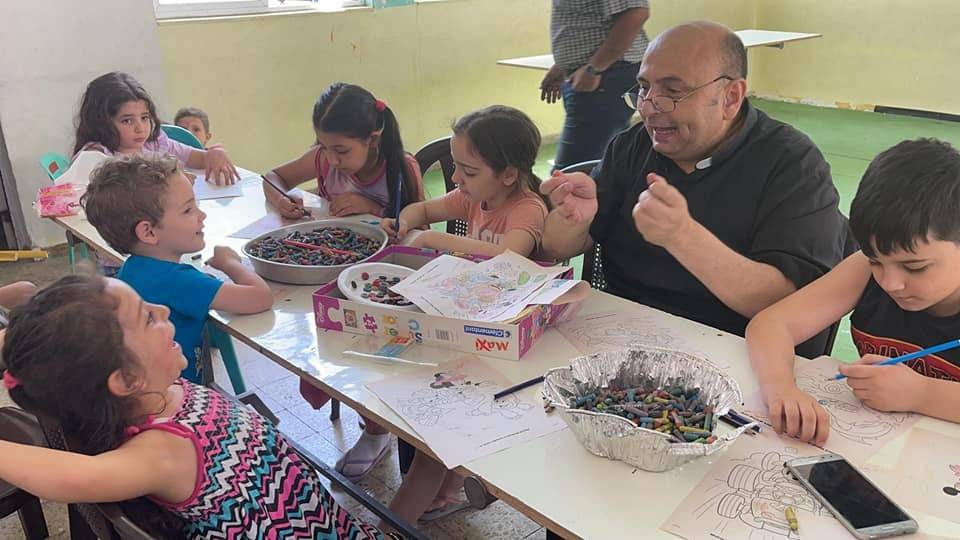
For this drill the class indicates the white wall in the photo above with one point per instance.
(49, 51)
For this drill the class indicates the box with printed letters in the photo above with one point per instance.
(509, 340)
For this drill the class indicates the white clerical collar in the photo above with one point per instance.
(704, 164)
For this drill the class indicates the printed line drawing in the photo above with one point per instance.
(849, 417)
(454, 391)
(757, 492)
(856, 430)
(745, 495)
(607, 331)
(452, 408)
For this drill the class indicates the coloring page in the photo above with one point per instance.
(745, 495)
(927, 475)
(612, 330)
(452, 408)
(497, 289)
(856, 431)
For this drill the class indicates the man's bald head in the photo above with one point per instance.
(705, 41)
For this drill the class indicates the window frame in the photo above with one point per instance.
(210, 8)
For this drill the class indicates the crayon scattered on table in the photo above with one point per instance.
(792, 519)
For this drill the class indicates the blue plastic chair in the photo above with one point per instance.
(54, 165)
(222, 341)
(181, 135)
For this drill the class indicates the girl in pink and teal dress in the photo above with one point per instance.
(187, 461)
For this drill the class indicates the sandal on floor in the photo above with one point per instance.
(355, 469)
(444, 511)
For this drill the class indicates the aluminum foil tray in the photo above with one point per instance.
(614, 437)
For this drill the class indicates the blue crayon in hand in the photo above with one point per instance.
(952, 344)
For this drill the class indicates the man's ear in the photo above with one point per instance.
(733, 95)
(146, 232)
(122, 385)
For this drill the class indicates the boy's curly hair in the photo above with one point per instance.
(124, 191)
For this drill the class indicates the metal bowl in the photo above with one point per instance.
(614, 437)
(298, 274)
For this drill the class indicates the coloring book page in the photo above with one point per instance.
(452, 408)
(856, 431)
(927, 475)
(494, 290)
(612, 330)
(745, 495)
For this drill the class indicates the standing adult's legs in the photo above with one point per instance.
(593, 118)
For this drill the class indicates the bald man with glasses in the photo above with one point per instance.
(709, 209)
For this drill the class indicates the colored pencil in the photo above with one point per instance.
(280, 191)
(952, 344)
(517, 387)
(396, 204)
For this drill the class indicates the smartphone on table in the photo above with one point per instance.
(852, 498)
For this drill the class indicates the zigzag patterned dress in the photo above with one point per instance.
(250, 481)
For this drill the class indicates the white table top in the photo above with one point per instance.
(750, 38)
(548, 479)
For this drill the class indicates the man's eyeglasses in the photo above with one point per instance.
(665, 104)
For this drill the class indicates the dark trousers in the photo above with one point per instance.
(593, 118)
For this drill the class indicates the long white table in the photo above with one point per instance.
(552, 480)
(751, 38)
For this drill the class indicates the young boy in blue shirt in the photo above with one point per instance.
(903, 288)
(143, 205)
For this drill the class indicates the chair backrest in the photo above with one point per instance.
(181, 135)
(592, 271)
(106, 521)
(54, 164)
(438, 152)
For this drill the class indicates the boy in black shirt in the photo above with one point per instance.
(903, 289)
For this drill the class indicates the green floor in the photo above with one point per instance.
(848, 139)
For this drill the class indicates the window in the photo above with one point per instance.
(168, 9)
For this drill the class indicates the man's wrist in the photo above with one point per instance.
(685, 236)
(593, 70)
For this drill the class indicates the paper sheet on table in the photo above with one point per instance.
(619, 329)
(926, 476)
(745, 493)
(452, 408)
(80, 168)
(208, 190)
(856, 431)
(561, 291)
(497, 289)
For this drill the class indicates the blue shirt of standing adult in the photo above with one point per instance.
(182, 288)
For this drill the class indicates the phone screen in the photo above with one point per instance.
(852, 495)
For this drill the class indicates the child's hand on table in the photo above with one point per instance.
(351, 204)
(219, 168)
(389, 225)
(797, 413)
(290, 207)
